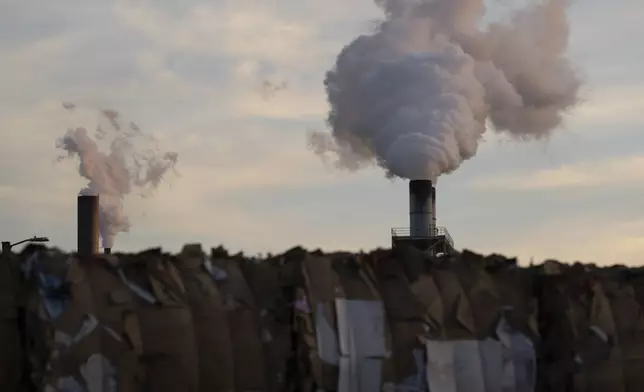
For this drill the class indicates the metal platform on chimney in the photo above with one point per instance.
(438, 240)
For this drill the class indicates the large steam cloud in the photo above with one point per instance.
(416, 96)
(133, 163)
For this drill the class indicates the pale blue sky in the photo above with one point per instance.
(189, 72)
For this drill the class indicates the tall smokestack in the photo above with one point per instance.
(421, 208)
(88, 229)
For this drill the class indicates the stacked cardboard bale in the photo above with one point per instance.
(593, 329)
(151, 322)
(391, 320)
(210, 320)
(340, 318)
(168, 351)
(440, 323)
(244, 323)
(241, 320)
(83, 331)
(628, 351)
(474, 342)
(275, 321)
(109, 324)
(11, 350)
(410, 306)
(291, 284)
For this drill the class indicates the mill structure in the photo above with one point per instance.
(423, 233)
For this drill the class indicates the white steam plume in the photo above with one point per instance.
(416, 96)
(132, 163)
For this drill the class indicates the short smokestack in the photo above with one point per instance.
(88, 230)
(107, 251)
(422, 220)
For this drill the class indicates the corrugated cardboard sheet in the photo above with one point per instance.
(385, 321)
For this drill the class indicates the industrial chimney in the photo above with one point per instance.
(422, 220)
(88, 230)
(423, 233)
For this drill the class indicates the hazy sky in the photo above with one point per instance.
(191, 74)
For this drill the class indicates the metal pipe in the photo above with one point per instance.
(88, 230)
(421, 220)
(432, 227)
(32, 239)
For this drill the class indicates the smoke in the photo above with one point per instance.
(416, 96)
(268, 89)
(132, 163)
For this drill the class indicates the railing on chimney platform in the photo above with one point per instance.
(435, 232)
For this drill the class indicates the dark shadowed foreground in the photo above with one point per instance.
(308, 321)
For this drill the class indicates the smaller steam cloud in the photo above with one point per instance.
(69, 105)
(131, 163)
(268, 89)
